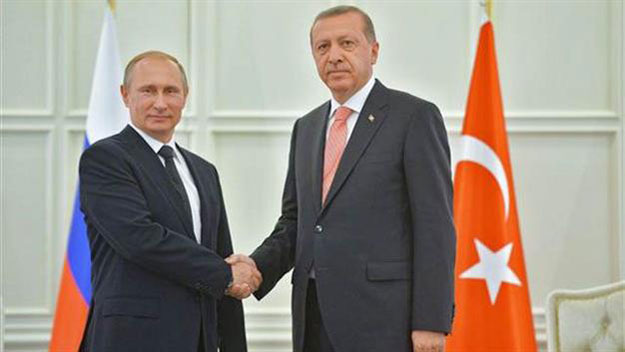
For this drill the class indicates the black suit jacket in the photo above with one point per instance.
(383, 245)
(153, 285)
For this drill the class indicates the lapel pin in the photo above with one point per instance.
(371, 118)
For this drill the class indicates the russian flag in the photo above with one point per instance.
(107, 115)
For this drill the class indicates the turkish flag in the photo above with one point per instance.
(493, 310)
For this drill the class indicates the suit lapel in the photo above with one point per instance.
(154, 170)
(208, 209)
(317, 150)
(364, 130)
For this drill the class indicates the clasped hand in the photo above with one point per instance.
(245, 276)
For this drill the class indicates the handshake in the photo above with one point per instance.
(245, 276)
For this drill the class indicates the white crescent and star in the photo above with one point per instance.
(492, 268)
(493, 265)
(474, 150)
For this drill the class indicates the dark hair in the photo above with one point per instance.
(339, 10)
(158, 54)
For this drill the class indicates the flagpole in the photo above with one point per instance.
(112, 5)
(488, 8)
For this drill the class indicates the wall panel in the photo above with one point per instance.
(410, 60)
(564, 187)
(26, 220)
(26, 85)
(554, 55)
(252, 169)
(263, 65)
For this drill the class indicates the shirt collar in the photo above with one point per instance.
(356, 101)
(154, 143)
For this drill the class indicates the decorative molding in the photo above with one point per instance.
(621, 148)
(7, 313)
(26, 314)
(27, 337)
(25, 113)
(27, 128)
(268, 330)
(282, 122)
(48, 109)
(540, 327)
(27, 332)
(81, 114)
(617, 58)
(47, 132)
(209, 55)
(50, 33)
(454, 114)
(279, 121)
(49, 211)
(193, 37)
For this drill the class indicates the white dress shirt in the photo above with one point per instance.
(355, 103)
(185, 175)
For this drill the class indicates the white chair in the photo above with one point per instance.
(586, 320)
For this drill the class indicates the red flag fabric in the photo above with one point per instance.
(493, 311)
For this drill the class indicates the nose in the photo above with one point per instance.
(159, 103)
(335, 55)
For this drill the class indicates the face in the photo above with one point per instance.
(342, 53)
(155, 97)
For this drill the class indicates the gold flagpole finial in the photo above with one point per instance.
(488, 8)
(111, 5)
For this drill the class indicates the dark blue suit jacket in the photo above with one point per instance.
(154, 287)
(383, 244)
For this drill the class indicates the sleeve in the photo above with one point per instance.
(114, 205)
(230, 317)
(276, 255)
(428, 178)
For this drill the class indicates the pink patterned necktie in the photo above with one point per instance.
(335, 144)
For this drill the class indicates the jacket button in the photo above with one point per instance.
(318, 229)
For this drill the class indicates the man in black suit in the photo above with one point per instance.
(367, 208)
(158, 230)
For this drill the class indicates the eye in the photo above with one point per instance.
(322, 48)
(348, 44)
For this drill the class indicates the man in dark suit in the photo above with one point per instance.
(367, 208)
(158, 230)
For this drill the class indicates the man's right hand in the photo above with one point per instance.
(245, 276)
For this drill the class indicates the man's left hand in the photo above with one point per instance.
(428, 341)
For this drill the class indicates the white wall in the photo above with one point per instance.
(561, 70)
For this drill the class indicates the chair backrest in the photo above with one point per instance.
(586, 320)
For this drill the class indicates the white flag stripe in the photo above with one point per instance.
(107, 114)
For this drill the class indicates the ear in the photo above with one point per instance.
(185, 96)
(375, 49)
(124, 92)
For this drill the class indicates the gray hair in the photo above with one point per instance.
(343, 9)
(157, 54)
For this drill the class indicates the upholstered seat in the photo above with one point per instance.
(586, 320)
